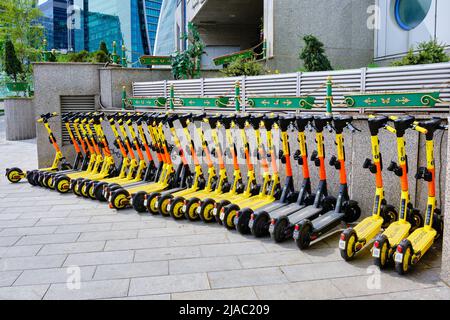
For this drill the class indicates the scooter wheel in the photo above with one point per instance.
(389, 215)
(50, 181)
(138, 201)
(175, 208)
(90, 187)
(40, 179)
(350, 238)
(30, 177)
(280, 229)
(36, 178)
(45, 179)
(62, 184)
(217, 209)
(120, 199)
(14, 175)
(82, 186)
(407, 251)
(304, 237)
(191, 212)
(352, 211)
(261, 225)
(227, 215)
(438, 224)
(74, 187)
(152, 202)
(163, 203)
(416, 220)
(384, 246)
(98, 191)
(329, 203)
(206, 210)
(243, 220)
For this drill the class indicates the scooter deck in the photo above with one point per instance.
(309, 212)
(149, 187)
(327, 220)
(285, 211)
(273, 206)
(255, 202)
(397, 231)
(202, 194)
(422, 239)
(368, 228)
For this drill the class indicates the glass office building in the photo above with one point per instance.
(132, 23)
(165, 38)
(54, 20)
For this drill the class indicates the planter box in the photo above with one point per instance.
(20, 119)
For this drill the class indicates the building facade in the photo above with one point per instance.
(355, 33)
(132, 23)
(403, 24)
(54, 20)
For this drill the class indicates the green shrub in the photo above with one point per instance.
(243, 67)
(82, 56)
(428, 52)
(12, 67)
(100, 56)
(103, 48)
(313, 55)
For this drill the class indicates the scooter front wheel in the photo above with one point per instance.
(227, 215)
(347, 244)
(261, 224)
(352, 211)
(119, 199)
(152, 202)
(30, 177)
(206, 210)
(280, 228)
(62, 184)
(163, 203)
(175, 208)
(389, 215)
(138, 202)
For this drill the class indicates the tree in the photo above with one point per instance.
(104, 48)
(19, 21)
(313, 55)
(12, 65)
(186, 65)
(428, 52)
(243, 67)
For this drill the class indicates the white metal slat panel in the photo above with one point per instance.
(75, 104)
(149, 89)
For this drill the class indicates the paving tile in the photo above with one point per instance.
(132, 270)
(95, 227)
(23, 293)
(72, 247)
(97, 258)
(22, 209)
(44, 214)
(7, 278)
(28, 231)
(8, 216)
(437, 293)
(247, 277)
(115, 217)
(89, 290)
(309, 290)
(64, 207)
(132, 244)
(245, 293)
(273, 259)
(49, 238)
(138, 225)
(62, 221)
(53, 275)
(168, 284)
(197, 239)
(166, 253)
(167, 232)
(231, 249)
(8, 241)
(24, 263)
(19, 251)
(108, 235)
(197, 265)
(317, 271)
(19, 223)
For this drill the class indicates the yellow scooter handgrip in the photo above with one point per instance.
(420, 129)
(391, 129)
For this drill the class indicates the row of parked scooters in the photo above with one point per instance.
(146, 178)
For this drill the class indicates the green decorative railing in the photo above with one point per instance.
(281, 102)
(155, 60)
(392, 99)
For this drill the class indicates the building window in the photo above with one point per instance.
(410, 13)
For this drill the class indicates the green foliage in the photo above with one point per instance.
(428, 52)
(186, 65)
(313, 55)
(12, 66)
(243, 67)
(100, 56)
(103, 48)
(19, 23)
(82, 56)
(373, 65)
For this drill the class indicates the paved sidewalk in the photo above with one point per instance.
(47, 240)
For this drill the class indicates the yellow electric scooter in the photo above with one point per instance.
(413, 248)
(353, 240)
(409, 218)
